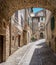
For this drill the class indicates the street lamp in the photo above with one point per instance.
(32, 14)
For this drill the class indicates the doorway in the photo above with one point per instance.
(1, 48)
(41, 35)
(55, 43)
(19, 40)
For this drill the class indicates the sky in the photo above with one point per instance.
(37, 9)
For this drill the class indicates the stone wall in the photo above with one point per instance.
(29, 34)
(21, 40)
(53, 40)
(15, 32)
(4, 31)
(50, 35)
(8, 7)
(7, 41)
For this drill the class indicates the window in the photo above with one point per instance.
(52, 23)
(42, 18)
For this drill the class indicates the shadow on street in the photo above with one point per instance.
(43, 56)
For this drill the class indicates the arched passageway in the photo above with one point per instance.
(8, 7)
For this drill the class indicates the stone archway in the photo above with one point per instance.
(8, 7)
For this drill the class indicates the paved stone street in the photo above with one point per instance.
(27, 32)
(36, 53)
(43, 56)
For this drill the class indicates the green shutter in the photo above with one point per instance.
(52, 23)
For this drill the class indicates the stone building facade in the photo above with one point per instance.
(39, 24)
(17, 25)
(12, 34)
(42, 30)
(4, 40)
(50, 28)
(27, 28)
(19, 35)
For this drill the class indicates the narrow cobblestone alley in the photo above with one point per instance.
(27, 32)
(36, 53)
(43, 56)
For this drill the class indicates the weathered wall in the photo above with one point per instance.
(7, 41)
(25, 37)
(4, 31)
(50, 35)
(29, 34)
(21, 40)
(14, 38)
(47, 24)
(53, 40)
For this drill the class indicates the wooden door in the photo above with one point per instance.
(1, 48)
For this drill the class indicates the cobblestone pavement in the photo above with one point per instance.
(36, 53)
(43, 55)
(16, 57)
